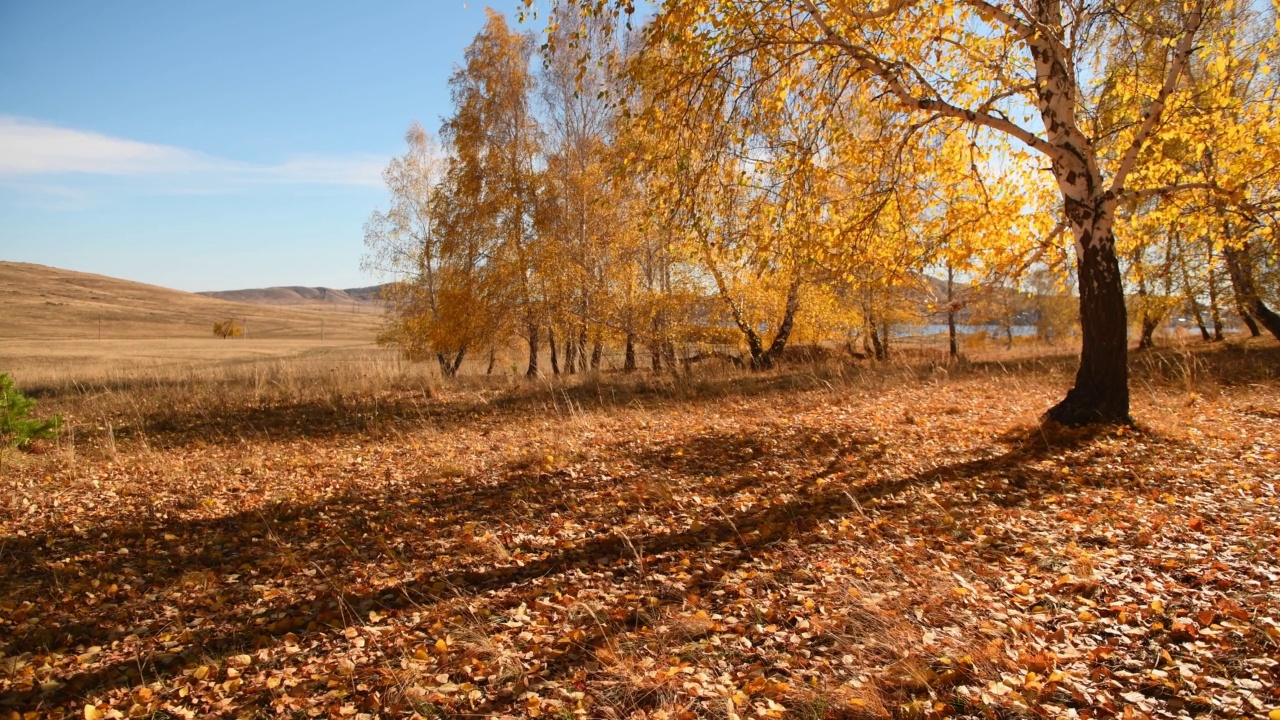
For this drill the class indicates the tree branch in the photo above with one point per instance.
(890, 9)
(871, 63)
(1151, 117)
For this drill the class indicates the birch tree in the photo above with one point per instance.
(1031, 74)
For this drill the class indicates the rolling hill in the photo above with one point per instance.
(41, 302)
(295, 295)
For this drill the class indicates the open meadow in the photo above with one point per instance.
(334, 533)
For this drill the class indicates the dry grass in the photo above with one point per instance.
(345, 533)
(44, 303)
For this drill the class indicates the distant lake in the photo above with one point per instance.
(941, 329)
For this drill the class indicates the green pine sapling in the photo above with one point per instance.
(16, 429)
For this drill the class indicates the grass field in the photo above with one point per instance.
(328, 532)
(43, 303)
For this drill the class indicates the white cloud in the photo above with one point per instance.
(360, 170)
(30, 148)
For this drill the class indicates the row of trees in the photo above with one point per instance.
(736, 174)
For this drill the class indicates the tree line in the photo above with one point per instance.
(727, 177)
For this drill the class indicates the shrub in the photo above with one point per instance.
(227, 329)
(16, 430)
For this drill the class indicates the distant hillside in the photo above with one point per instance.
(294, 295)
(37, 301)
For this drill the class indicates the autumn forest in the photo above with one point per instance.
(735, 359)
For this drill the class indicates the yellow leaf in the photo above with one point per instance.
(441, 645)
(91, 712)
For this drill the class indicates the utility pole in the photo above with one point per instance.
(321, 329)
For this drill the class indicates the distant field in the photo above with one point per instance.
(44, 303)
(50, 364)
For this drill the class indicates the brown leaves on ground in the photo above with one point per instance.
(825, 553)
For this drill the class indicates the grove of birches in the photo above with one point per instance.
(675, 182)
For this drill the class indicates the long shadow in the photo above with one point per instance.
(360, 515)
(356, 415)
(1231, 363)
(1228, 364)
(421, 502)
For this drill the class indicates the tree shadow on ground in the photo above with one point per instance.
(172, 425)
(277, 541)
(1225, 363)
(169, 425)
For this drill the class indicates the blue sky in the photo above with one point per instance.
(211, 146)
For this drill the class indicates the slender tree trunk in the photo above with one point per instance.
(1198, 314)
(449, 366)
(1215, 314)
(1245, 316)
(1240, 266)
(779, 344)
(1147, 340)
(533, 338)
(759, 358)
(1101, 390)
(880, 351)
(1189, 293)
(954, 348)
(570, 354)
(1149, 325)
(493, 359)
(597, 353)
(656, 343)
(629, 354)
(1149, 321)
(555, 358)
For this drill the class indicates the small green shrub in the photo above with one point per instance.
(16, 430)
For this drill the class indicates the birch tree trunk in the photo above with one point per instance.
(1240, 267)
(533, 338)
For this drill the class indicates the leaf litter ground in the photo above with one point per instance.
(923, 550)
